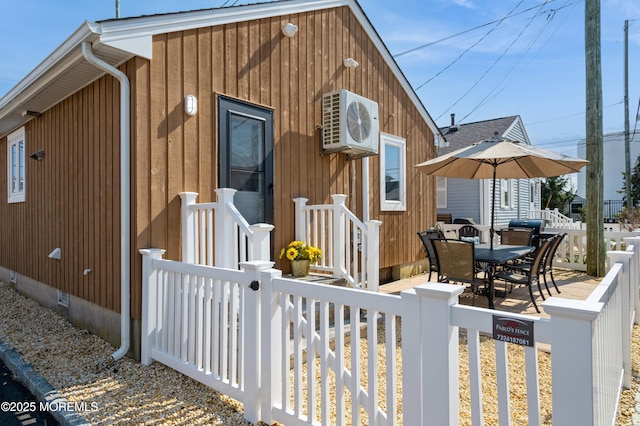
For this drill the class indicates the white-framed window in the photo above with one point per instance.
(441, 192)
(393, 174)
(16, 166)
(506, 193)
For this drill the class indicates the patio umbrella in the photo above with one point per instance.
(498, 158)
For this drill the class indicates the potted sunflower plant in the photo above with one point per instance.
(301, 256)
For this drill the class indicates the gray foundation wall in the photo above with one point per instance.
(81, 313)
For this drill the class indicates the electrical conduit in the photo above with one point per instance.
(125, 208)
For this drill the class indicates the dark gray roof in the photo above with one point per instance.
(463, 135)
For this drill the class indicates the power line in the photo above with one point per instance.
(431, 43)
(470, 47)
(492, 65)
(569, 115)
(492, 93)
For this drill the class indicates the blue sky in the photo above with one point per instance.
(479, 59)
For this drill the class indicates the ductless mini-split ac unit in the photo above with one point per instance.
(349, 123)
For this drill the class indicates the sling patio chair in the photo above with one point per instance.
(457, 263)
(516, 236)
(468, 231)
(426, 237)
(547, 265)
(525, 273)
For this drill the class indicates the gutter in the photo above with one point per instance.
(125, 202)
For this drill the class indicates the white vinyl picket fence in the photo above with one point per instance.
(303, 353)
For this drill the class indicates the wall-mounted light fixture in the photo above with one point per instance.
(28, 113)
(39, 155)
(191, 105)
(289, 29)
(350, 63)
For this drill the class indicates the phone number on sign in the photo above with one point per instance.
(23, 406)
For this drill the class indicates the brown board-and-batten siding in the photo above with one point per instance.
(253, 62)
(73, 195)
(72, 198)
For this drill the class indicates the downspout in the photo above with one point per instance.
(125, 202)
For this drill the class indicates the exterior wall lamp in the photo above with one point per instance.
(289, 29)
(191, 105)
(350, 63)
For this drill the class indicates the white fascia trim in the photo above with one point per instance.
(122, 29)
(26, 87)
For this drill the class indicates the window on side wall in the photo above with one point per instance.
(506, 193)
(393, 180)
(16, 166)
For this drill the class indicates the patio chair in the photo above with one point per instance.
(468, 231)
(516, 236)
(457, 263)
(525, 273)
(547, 265)
(426, 237)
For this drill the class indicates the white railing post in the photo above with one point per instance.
(261, 245)
(625, 258)
(251, 338)
(300, 218)
(148, 326)
(373, 254)
(635, 275)
(224, 230)
(412, 387)
(271, 343)
(339, 234)
(189, 229)
(573, 398)
(439, 346)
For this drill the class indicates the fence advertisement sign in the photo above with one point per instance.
(512, 330)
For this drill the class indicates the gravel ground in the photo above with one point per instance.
(126, 392)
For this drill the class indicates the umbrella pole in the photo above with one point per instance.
(493, 207)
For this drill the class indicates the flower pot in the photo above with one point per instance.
(300, 268)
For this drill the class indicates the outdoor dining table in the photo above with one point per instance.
(495, 256)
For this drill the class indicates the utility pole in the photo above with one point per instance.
(627, 153)
(594, 141)
(117, 9)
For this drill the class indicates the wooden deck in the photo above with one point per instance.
(572, 284)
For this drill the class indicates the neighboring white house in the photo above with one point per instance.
(613, 165)
(466, 198)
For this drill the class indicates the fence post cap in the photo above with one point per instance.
(257, 265)
(262, 226)
(439, 290)
(187, 194)
(573, 309)
(155, 253)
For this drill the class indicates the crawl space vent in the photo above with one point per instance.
(63, 299)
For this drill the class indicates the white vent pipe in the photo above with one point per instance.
(125, 207)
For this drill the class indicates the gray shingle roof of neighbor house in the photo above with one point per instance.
(115, 41)
(463, 135)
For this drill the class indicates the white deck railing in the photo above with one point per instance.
(572, 252)
(554, 219)
(206, 226)
(350, 247)
(265, 340)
